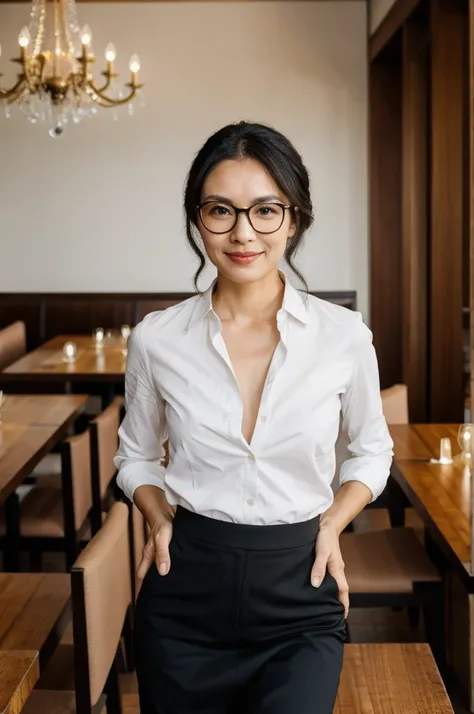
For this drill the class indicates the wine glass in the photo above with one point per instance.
(465, 441)
(69, 352)
(99, 337)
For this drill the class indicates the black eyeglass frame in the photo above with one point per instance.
(238, 211)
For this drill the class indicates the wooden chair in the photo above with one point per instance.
(393, 570)
(12, 343)
(100, 576)
(56, 519)
(390, 679)
(377, 516)
(48, 471)
(104, 445)
(139, 538)
(395, 404)
(60, 672)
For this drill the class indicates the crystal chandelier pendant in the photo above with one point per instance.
(56, 85)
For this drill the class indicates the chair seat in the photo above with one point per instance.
(41, 514)
(390, 562)
(59, 672)
(50, 702)
(378, 519)
(43, 701)
(50, 464)
(371, 519)
(50, 480)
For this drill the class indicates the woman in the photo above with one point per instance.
(243, 602)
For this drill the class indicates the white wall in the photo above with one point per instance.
(100, 208)
(378, 10)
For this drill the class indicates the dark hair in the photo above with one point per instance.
(280, 158)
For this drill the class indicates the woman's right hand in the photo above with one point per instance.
(153, 504)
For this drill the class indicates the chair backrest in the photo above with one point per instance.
(395, 404)
(101, 595)
(139, 536)
(76, 465)
(12, 343)
(104, 445)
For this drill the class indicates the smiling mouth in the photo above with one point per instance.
(243, 258)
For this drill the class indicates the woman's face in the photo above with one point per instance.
(244, 253)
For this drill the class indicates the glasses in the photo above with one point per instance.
(263, 217)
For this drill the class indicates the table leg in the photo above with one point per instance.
(397, 503)
(107, 395)
(11, 554)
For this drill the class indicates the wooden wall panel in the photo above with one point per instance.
(385, 212)
(390, 25)
(447, 143)
(49, 314)
(85, 315)
(415, 208)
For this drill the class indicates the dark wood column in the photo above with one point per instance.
(448, 27)
(385, 212)
(415, 207)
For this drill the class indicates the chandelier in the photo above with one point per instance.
(55, 84)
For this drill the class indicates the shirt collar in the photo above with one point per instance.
(293, 303)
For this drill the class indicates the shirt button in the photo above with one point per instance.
(250, 502)
(263, 419)
(251, 458)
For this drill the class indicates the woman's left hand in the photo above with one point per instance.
(328, 556)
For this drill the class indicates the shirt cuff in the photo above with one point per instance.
(373, 471)
(140, 473)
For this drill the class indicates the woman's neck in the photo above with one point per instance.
(247, 303)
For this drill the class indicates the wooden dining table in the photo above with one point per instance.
(441, 495)
(34, 612)
(98, 370)
(30, 427)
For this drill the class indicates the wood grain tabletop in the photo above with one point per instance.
(47, 362)
(19, 672)
(31, 425)
(32, 609)
(391, 679)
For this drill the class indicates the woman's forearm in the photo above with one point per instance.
(151, 501)
(349, 501)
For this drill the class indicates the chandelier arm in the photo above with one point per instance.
(106, 84)
(15, 90)
(109, 102)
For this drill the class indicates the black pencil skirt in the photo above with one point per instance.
(236, 626)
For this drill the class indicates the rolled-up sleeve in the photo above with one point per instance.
(370, 445)
(140, 455)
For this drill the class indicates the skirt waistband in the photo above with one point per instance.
(237, 535)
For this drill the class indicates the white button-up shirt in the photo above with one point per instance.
(180, 386)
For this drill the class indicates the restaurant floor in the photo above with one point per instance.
(366, 625)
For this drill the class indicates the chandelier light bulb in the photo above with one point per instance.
(24, 37)
(110, 52)
(86, 35)
(134, 64)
